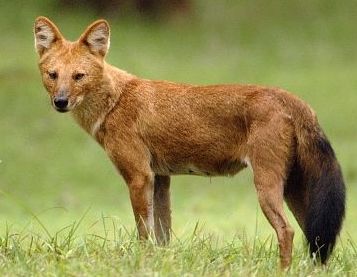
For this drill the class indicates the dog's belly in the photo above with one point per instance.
(219, 168)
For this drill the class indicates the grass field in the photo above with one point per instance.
(65, 211)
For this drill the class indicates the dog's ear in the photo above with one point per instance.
(46, 34)
(97, 37)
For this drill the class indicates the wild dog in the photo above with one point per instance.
(154, 129)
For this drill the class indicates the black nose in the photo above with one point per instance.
(61, 102)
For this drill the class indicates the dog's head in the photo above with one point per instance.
(71, 70)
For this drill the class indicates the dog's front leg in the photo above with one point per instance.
(162, 212)
(141, 189)
(133, 163)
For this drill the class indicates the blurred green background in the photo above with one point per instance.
(51, 168)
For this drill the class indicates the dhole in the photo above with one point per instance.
(154, 129)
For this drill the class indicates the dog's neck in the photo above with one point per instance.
(92, 112)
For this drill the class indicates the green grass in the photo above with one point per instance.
(52, 173)
(118, 252)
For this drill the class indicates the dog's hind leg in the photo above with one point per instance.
(270, 155)
(270, 189)
(162, 212)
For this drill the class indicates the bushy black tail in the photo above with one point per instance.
(325, 191)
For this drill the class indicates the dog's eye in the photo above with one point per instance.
(53, 75)
(78, 76)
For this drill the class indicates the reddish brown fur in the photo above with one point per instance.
(154, 129)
